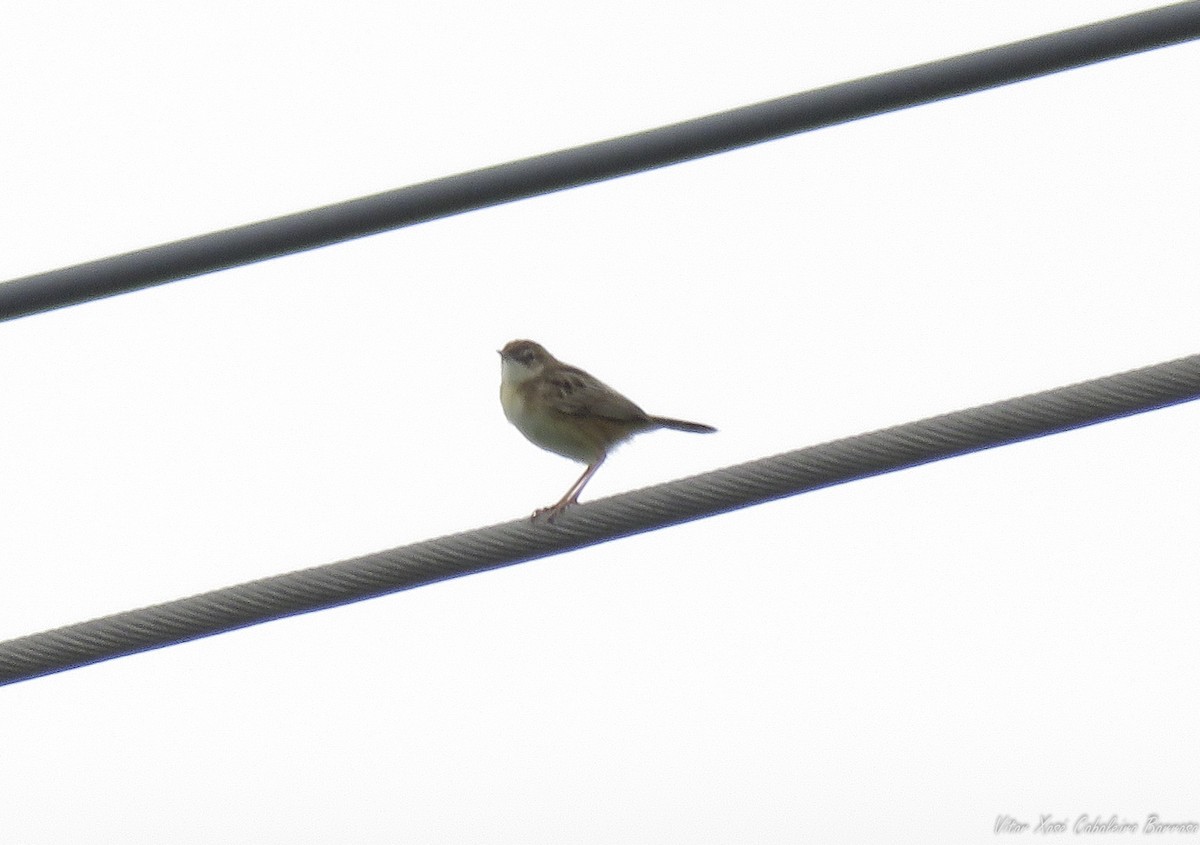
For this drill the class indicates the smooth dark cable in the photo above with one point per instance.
(606, 519)
(602, 160)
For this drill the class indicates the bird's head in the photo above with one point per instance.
(522, 360)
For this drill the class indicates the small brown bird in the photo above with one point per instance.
(566, 411)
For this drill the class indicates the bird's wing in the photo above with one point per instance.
(574, 392)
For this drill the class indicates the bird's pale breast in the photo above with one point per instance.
(547, 429)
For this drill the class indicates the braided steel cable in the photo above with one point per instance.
(697, 497)
(596, 162)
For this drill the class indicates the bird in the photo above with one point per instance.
(569, 412)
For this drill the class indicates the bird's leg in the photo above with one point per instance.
(572, 495)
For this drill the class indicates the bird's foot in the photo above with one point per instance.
(551, 513)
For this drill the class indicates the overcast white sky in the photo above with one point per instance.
(902, 659)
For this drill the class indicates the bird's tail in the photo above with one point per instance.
(682, 425)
